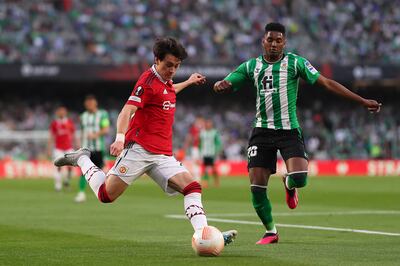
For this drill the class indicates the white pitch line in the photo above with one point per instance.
(310, 227)
(278, 214)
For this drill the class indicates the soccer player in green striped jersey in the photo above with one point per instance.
(210, 146)
(94, 126)
(274, 76)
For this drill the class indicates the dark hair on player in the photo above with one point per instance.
(169, 45)
(90, 97)
(275, 26)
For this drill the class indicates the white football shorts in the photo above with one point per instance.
(194, 153)
(135, 161)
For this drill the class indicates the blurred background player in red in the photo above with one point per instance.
(61, 140)
(192, 144)
(210, 146)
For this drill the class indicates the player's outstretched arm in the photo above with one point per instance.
(123, 120)
(222, 86)
(334, 86)
(194, 79)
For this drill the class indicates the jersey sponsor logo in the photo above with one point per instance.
(167, 105)
(135, 99)
(267, 83)
(310, 68)
(138, 91)
(252, 151)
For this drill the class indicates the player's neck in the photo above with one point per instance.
(272, 59)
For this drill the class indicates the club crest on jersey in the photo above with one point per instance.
(139, 91)
(310, 68)
(123, 169)
(284, 66)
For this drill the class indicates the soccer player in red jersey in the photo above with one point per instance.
(143, 142)
(61, 138)
(192, 143)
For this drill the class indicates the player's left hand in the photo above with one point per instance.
(372, 105)
(92, 136)
(197, 79)
(116, 148)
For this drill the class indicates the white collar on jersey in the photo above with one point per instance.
(153, 68)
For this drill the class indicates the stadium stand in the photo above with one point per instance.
(122, 32)
(119, 31)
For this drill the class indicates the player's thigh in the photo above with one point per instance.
(262, 149)
(296, 164)
(179, 181)
(170, 174)
(293, 151)
(259, 176)
(262, 156)
(131, 164)
(115, 186)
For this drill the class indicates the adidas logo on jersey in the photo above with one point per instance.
(165, 91)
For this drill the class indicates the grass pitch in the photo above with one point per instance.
(41, 227)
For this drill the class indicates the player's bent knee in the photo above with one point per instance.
(103, 195)
(298, 180)
(193, 187)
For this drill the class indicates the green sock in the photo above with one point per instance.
(82, 183)
(205, 176)
(296, 180)
(263, 207)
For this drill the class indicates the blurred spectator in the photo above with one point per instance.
(337, 131)
(122, 31)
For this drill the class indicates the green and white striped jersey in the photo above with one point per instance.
(91, 123)
(276, 86)
(210, 143)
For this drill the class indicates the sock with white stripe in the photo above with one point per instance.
(263, 207)
(57, 179)
(93, 175)
(193, 206)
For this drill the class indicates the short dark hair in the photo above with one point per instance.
(169, 45)
(90, 97)
(275, 26)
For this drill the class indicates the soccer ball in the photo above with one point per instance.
(208, 242)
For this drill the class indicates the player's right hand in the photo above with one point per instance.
(372, 105)
(116, 148)
(222, 86)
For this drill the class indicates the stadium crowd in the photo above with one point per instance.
(339, 131)
(122, 31)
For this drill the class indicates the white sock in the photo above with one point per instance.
(57, 179)
(93, 175)
(194, 210)
(272, 231)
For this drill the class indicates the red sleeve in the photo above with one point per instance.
(72, 126)
(52, 128)
(140, 95)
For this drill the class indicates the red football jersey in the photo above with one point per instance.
(151, 125)
(195, 134)
(63, 131)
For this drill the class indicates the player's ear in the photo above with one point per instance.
(156, 60)
(264, 40)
